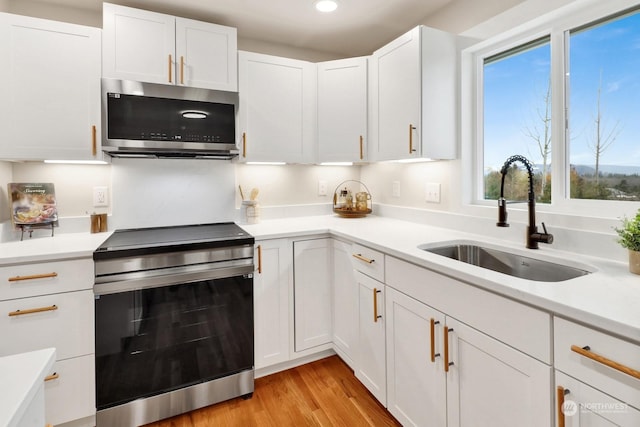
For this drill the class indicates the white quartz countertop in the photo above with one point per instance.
(608, 299)
(21, 375)
(58, 247)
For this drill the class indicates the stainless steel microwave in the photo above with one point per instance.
(153, 120)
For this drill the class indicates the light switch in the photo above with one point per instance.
(432, 192)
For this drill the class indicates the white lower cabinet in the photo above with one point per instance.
(312, 293)
(271, 302)
(491, 384)
(416, 380)
(345, 301)
(579, 405)
(441, 372)
(71, 380)
(371, 359)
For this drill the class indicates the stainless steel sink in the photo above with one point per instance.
(506, 262)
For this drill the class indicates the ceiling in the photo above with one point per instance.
(358, 27)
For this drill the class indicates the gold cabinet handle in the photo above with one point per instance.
(33, 310)
(170, 69)
(411, 129)
(181, 69)
(361, 258)
(561, 393)
(33, 276)
(446, 348)
(94, 141)
(586, 352)
(53, 376)
(244, 144)
(376, 316)
(259, 259)
(361, 148)
(433, 324)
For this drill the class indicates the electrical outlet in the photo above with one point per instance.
(432, 192)
(322, 188)
(100, 197)
(396, 188)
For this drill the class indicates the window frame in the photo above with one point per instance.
(557, 26)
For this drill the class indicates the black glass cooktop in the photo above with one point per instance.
(163, 239)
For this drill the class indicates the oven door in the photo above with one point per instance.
(157, 339)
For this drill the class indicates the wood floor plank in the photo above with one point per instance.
(324, 393)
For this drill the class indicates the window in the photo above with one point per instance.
(569, 101)
(517, 119)
(604, 110)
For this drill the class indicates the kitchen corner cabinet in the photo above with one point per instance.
(345, 302)
(277, 113)
(51, 304)
(413, 97)
(312, 293)
(50, 77)
(342, 110)
(153, 47)
(271, 302)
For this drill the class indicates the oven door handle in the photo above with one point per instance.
(169, 277)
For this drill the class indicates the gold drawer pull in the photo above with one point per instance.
(586, 352)
(33, 276)
(411, 129)
(33, 310)
(361, 148)
(361, 258)
(53, 376)
(561, 392)
(446, 331)
(181, 70)
(94, 141)
(259, 259)
(170, 68)
(433, 324)
(376, 316)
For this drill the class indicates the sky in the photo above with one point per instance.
(515, 87)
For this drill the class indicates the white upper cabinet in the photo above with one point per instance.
(277, 111)
(50, 90)
(157, 48)
(342, 110)
(413, 97)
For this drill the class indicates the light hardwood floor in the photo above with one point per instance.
(322, 393)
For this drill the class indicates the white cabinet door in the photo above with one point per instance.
(138, 45)
(371, 360)
(342, 110)
(413, 93)
(277, 111)
(578, 405)
(70, 392)
(345, 304)
(50, 90)
(490, 384)
(271, 302)
(396, 84)
(312, 293)
(416, 380)
(206, 55)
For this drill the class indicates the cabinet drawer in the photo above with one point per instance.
(28, 280)
(368, 261)
(71, 394)
(603, 348)
(66, 324)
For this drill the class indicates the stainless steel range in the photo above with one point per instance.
(173, 321)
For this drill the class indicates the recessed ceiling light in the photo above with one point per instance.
(326, 5)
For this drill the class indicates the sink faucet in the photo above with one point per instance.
(533, 237)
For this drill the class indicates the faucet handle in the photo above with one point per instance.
(544, 237)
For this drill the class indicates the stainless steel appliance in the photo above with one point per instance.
(154, 120)
(173, 321)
